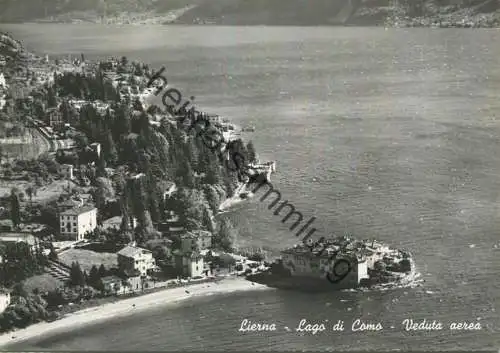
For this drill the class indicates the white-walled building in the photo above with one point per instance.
(114, 284)
(191, 265)
(198, 239)
(301, 262)
(135, 259)
(4, 300)
(96, 147)
(67, 170)
(76, 222)
(3, 83)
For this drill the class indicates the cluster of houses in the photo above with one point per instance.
(315, 259)
(77, 221)
(135, 262)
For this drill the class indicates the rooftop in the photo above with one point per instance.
(110, 279)
(328, 247)
(191, 255)
(196, 234)
(17, 237)
(169, 184)
(132, 251)
(112, 220)
(79, 210)
(132, 273)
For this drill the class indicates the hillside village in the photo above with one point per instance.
(119, 197)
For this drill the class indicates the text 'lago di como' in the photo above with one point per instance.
(358, 325)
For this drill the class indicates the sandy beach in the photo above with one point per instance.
(125, 307)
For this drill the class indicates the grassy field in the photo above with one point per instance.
(43, 283)
(87, 258)
(44, 194)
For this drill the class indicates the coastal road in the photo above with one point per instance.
(43, 143)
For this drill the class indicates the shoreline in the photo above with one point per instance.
(403, 24)
(235, 200)
(122, 308)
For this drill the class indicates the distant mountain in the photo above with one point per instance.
(35, 10)
(271, 12)
(259, 12)
(335, 12)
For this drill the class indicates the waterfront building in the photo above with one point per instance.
(78, 221)
(301, 261)
(134, 259)
(113, 284)
(4, 299)
(190, 264)
(197, 239)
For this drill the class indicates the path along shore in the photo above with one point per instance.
(128, 307)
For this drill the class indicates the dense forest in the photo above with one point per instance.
(160, 154)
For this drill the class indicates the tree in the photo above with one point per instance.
(213, 198)
(30, 191)
(207, 221)
(19, 290)
(125, 226)
(225, 235)
(146, 229)
(185, 174)
(162, 253)
(19, 263)
(76, 275)
(51, 98)
(101, 166)
(81, 140)
(224, 260)
(213, 176)
(93, 276)
(102, 271)
(15, 212)
(192, 224)
(110, 150)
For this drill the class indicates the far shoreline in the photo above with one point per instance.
(246, 25)
(126, 307)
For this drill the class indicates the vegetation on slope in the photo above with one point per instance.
(259, 12)
(30, 10)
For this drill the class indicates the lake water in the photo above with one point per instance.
(392, 134)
